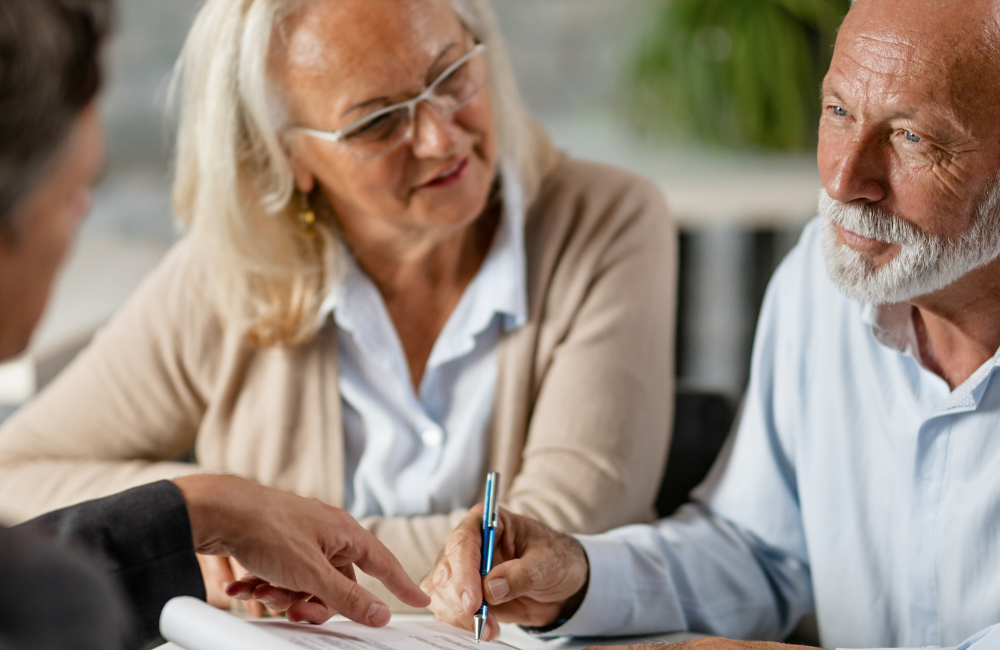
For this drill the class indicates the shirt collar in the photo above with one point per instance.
(500, 286)
(892, 326)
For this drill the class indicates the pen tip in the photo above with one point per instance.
(479, 622)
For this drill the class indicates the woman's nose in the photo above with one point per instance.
(434, 134)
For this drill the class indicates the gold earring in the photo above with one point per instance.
(307, 217)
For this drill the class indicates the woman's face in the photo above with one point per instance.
(344, 59)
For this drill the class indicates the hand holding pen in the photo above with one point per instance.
(538, 577)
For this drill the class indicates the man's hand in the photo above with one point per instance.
(536, 573)
(299, 548)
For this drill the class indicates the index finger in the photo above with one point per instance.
(463, 552)
(378, 562)
(340, 593)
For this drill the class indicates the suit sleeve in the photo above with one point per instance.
(55, 597)
(141, 538)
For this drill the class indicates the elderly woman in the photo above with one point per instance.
(390, 283)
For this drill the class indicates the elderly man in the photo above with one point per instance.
(863, 482)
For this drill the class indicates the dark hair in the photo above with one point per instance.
(50, 70)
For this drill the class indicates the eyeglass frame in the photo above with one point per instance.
(410, 105)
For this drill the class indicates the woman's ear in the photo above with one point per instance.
(304, 179)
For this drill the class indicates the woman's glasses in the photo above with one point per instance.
(387, 128)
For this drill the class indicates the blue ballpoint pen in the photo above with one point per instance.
(490, 509)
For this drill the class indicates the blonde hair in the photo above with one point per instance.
(234, 189)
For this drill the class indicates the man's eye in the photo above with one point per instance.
(839, 112)
(912, 137)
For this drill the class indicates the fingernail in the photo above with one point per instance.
(466, 601)
(378, 614)
(499, 588)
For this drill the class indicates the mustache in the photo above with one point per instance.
(872, 221)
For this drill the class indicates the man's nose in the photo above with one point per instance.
(433, 133)
(856, 169)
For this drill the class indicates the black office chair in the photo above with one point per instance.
(702, 421)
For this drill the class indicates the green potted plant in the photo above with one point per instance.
(741, 74)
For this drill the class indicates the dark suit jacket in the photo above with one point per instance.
(96, 575)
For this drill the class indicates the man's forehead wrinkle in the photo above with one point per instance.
(892, 74)
(856, 80)
(886, 52)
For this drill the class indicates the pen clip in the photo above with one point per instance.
(491, 508)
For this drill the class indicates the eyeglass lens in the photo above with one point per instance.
(383, 130)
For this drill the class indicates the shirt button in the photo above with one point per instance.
(432, 437)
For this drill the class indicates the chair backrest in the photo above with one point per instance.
(702, 421)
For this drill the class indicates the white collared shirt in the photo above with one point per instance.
(412, 454)
(858, 484)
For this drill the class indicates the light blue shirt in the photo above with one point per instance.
(412, 454)
(857, 484)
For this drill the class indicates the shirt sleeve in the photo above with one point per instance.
(692, 572)
(141, 537)
(734, 563)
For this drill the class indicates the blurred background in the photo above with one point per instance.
(714, 100)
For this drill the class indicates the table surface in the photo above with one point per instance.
(515, 636)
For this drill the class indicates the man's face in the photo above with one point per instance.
(47, 223)
(909, 147)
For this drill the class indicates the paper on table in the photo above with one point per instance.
(345, 635)
(194, 625)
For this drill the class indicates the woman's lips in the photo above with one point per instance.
(451, 175)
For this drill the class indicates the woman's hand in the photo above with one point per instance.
(297, 606)
(302, 547)
(220, 572)
(538, 574)
(217, 574)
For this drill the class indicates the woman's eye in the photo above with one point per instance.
(911, 136)
(373, 124)
(453, 83)
(839, 112)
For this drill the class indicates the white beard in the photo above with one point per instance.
(924, 263)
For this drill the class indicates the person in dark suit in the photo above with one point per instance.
(96, 575)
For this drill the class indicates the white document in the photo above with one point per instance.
(195, 625)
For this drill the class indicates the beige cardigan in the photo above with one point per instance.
(583, 400)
